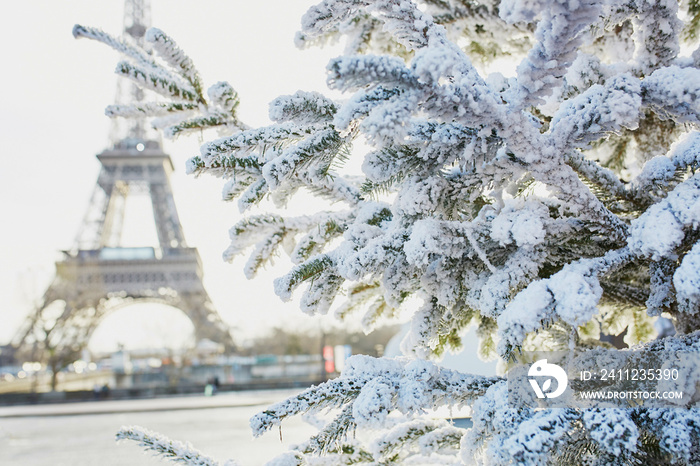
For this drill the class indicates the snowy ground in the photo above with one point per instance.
(82, 434)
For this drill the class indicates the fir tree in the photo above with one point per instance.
(547, 209)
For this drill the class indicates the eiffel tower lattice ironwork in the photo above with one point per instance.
(98, 275)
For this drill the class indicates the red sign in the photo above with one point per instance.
(328, 357)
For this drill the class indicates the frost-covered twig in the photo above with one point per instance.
(117, 44)
(375, 387)
(176, 58)
(175, 451)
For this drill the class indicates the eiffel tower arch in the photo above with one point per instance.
(98, 275)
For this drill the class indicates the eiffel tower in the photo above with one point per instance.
(98, 276)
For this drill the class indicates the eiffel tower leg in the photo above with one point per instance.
(167, 221)
(207, 323)
(114, 216)
(91, 230)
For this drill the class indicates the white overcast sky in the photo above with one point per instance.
(54, 90)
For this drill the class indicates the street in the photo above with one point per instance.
(82, 434)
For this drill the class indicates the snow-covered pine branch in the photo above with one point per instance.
(547, 209)
(154, 79)
(376, 387)
(132, 51)
(172, 450)
(148, 109)
(175, 79)
(168, 50)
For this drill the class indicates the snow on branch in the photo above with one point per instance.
(423, 436)
(119, 45)
(302, 108)
(156, 80)
(301, 273)
(211, 120)
(324, 17)
(375, 387)
(355, 72)
(540, 435)
(224, 96)
(572, 295)
(408, 25)
(663, 172)
(558, 37)
(657, 28)
(323, 145)
(598, 110)
(172, 450)
(686, 281)
(150, 109)
(613, 429)
(674, 93)
(169, 51)
(661, 229)
(224, 166)
(262, 139)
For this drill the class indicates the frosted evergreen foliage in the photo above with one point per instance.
(546, 209)
(171, 75)
(172, 450)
